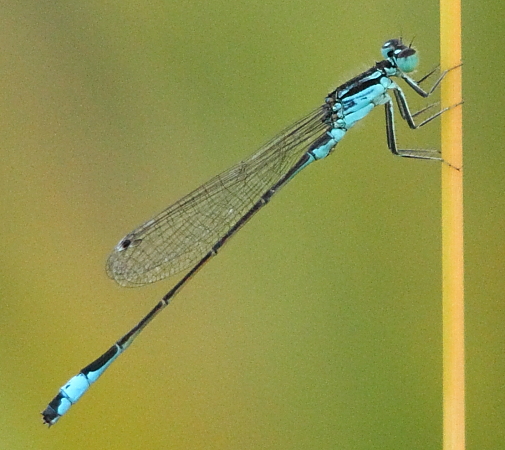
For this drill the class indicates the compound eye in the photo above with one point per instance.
(407, 60)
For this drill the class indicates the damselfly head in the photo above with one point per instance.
(405, 58)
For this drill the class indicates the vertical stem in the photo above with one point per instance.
(452, 232)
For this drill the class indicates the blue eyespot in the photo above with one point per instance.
(389, 47)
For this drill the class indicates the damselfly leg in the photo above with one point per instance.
(406, 115)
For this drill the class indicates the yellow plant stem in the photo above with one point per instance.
(452, 232)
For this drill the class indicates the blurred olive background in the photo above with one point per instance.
(319, 325)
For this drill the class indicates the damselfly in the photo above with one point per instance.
(189, 233)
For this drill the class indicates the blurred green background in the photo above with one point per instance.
(319, 325)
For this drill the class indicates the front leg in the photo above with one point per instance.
(403, 106)
(418, 89)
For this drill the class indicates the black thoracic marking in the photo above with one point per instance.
(359, 86)
(362, 81)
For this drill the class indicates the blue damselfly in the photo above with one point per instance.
(190, 232)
